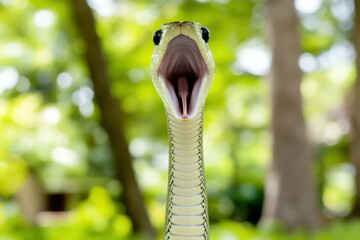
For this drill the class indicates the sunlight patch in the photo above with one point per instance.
(339, 189)
(253, 58)
(64, 80)
(83, 99)
(44, 18)
(105, 8)
(308, 7)
(51, 115)
(307, 62)
(65, 156)
(9, 77)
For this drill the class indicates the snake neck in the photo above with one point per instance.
(186, 212)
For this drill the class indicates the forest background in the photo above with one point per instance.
(83, 137)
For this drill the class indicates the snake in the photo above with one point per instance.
(182, 71)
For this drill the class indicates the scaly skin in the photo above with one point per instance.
(186, 214)
(183, 95)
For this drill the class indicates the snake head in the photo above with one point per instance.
(182, 68)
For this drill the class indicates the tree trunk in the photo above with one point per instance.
(112, 119)
(290, 196)
(31, 198)
(355, 115)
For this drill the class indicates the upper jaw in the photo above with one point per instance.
(183, 70)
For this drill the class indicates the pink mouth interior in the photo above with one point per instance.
(183, 69)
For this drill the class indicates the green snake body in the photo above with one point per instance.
(182, 71)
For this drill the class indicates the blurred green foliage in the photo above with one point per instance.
(49, 121)
(96, 218)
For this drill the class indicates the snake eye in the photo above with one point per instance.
(157, 37)
(205, 34)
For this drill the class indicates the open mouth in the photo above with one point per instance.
(183, 70)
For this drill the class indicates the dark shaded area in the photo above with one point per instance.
(56, 202)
